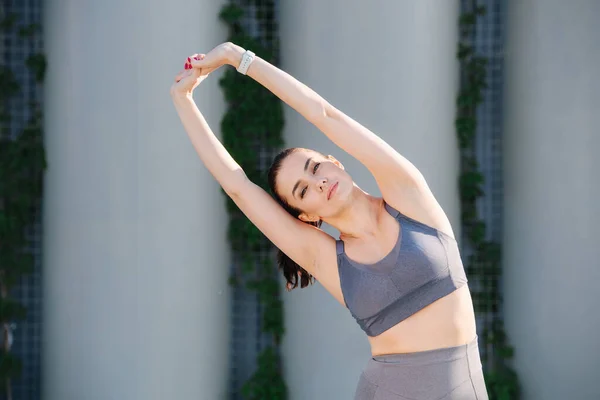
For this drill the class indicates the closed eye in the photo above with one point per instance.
(315, 168)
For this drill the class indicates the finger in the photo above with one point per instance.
(182, 75)
(198, 61)
(179, 76)
(188, 61)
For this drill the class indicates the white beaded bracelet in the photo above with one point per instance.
(247, 59)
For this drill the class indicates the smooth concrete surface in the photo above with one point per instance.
(135, 255)
(552, 186)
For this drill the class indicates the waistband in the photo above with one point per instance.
(445, 354)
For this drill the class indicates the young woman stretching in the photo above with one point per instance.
(396, 267)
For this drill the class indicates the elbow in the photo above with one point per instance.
(322, 111)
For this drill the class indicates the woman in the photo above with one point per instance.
(396, 266)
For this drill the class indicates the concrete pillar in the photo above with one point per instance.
(552, 187)
(393, 68)
(135, 251)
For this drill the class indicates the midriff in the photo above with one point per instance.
(447, 322)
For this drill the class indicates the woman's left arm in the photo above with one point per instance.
(386, 164)
(400, 182)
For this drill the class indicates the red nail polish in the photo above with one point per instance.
(189, 60)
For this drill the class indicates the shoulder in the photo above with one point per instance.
(418, 203)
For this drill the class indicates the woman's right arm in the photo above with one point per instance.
(307, 245)
(302, 242)
(213, 154)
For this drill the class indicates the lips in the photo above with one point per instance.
(331, 190)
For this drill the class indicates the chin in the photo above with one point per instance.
(342, 192)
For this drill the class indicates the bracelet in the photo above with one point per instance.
(247, 59)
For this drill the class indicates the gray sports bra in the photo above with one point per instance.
(423, 266)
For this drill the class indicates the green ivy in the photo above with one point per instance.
(484, 264)
(21, 175)
(254, 123)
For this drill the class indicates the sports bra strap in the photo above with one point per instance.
(339, 247)
(391, 210)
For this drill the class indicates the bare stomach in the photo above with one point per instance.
(448, 322)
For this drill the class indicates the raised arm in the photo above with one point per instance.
(400, 182)
(300, 241)
(358, 141)
(213, 154)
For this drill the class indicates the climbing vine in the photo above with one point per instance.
(484, 264)
(252, 125)
(21, 173)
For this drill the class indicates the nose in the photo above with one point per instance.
(321, 183)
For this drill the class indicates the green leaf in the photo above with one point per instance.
(464, 51)
(8, 22)
(231, 14)
(8, 83)
(28, 32)
(10, 310)
(267, 381)
(470, 185)
(465, 128)
(10, 366)
(37, 63)
(467, 19)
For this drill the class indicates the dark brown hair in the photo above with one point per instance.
(292, 272)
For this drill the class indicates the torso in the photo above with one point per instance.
(447, 322)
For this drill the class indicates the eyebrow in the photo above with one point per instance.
(306, 164)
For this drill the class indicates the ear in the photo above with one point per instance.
(335, 161)
(308, 218)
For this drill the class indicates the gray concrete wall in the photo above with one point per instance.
(552, 187)
(393, 68)
(135, 254)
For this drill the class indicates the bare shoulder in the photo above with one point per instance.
(419, 203)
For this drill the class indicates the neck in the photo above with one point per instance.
(360, 218)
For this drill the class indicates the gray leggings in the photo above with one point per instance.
(452, 373)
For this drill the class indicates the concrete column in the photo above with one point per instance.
(135, 251)
(393, 68)
(552, 187)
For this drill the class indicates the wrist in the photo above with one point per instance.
(234, 55)
(181, 96)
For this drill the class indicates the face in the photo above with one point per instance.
(313, 183)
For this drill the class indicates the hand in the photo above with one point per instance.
(225, 53)
(188, 79)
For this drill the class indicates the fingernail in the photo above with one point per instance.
(189, 60)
